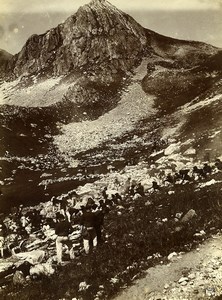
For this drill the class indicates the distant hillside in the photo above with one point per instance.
(90, 54)
(5, 59)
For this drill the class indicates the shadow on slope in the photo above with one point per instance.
(175, 88)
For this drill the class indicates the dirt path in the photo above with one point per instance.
(194, 275)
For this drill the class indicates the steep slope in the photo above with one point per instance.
(96, 35)
(88, 54)
(190, 105)
(5, 59)
(106, 68)
(133, 106)
(86, 58)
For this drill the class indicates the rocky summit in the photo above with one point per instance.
(101, 89)
(103, 78)
(97, 35)
(101, 108)
(94, 49)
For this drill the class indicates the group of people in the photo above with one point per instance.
(188, 175)
(90, 219)
(63, 217)
(16, 227)
(135, 189)
(195, 173)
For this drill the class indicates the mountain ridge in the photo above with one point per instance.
(98, 31)
(85, 30)
(112, 97)
(91, 58)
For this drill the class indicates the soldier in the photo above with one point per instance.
(104, 193)
(63, 229)
(207, 169)
(155, 186)
(99, 222)
(88, 222)
(199, 172)
(2, 238)
(218, 164)
(169, 178)
(139, 189)
(184, 175)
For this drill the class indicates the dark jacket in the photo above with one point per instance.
(88, 219)
(63, 228)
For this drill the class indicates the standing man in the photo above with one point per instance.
(63, 229)
(88, 221)
(99, 222)
(2, 238)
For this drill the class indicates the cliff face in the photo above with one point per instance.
(88, 58)
(38, 54)
(97, 35)
(5, 59)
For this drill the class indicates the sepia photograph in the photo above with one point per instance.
(110, 150)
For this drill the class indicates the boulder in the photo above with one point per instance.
(42, 269)
(183, 279)
(190, 151)
(19, 278)
(33, 257)
(137, 196)
(172, 255)
(188, 216)
(173, 148)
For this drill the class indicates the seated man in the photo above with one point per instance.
(155, 186)
(139, 189)
(207, 169)
(218, 164)
(169, 179)
(199, 172)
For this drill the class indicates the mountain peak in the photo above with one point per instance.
(101, 17)
(97, 4)
(97, 1)
(100, 7)
(98, 35)
(96, 47)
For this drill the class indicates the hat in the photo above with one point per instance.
(90, 201)
(61, 216)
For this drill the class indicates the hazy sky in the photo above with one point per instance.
(185, 19)
(70, 5)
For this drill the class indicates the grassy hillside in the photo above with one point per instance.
(138, 235)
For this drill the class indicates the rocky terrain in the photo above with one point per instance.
(157, 237)
(106, 68)
(194, 275)
(97, 99)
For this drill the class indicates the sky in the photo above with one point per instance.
(69, 5)
(186, 19)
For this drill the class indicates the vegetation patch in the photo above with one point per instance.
(138, 235)
(175, 88)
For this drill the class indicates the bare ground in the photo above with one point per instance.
(202, 269)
